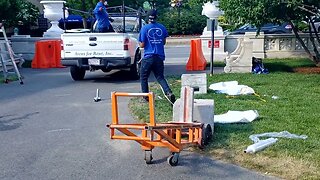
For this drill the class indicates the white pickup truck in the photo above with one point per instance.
(103, 51)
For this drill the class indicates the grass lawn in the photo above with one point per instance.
(13, 77)
(296, 110)
(10, 78)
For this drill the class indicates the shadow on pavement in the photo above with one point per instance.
(11, 121)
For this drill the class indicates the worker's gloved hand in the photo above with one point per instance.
(111, 19)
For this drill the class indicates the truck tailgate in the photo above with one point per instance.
(86, 45)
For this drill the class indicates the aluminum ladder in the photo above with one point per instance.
(7, 57)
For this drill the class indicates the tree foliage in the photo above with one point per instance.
(18, 12)
(12, 7)
(259, 12)
(88, 5)
(190, 21)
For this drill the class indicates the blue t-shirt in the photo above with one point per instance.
(153, 35)
(101, 16)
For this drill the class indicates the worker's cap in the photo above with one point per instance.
(152, 15)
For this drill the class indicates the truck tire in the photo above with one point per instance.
(77, 73)
(135, 67)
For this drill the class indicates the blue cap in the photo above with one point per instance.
(152, 15)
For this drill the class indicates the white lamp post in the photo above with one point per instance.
(212, 12)
(53, 11)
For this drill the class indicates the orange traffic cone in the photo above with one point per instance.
(196, 61)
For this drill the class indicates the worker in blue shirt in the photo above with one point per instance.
(102, 17)
(152, 38)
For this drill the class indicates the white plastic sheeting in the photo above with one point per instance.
(237, 117)
(262, 144)
(283, 134)
(231, 88)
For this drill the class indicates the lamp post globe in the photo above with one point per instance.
(211, 10)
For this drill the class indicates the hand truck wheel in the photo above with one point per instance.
(206, 135)
(148, 157)
(173, 159)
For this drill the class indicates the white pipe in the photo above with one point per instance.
(260, 145)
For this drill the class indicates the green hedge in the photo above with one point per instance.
(191, 21)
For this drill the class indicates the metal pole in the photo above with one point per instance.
(124, 18)
(179, 22)
(64, 17)
(140, 19)
(212, 46)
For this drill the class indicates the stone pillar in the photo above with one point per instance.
(219, 53)
(258, 43)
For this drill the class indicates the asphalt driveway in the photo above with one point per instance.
(50, 128)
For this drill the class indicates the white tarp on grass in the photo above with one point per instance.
(231, 88)
(237, 117)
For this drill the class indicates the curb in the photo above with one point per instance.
(180, 40)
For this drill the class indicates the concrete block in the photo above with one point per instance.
(197, 81)
(176, 111)
(203, 111)
(186, 112)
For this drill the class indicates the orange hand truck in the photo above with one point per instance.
(172, 135)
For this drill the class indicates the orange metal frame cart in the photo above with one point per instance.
(174, 136)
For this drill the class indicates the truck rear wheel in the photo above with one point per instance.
(135, 67)
(77, 73)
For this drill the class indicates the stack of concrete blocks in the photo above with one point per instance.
(240, 61)
(187, 109)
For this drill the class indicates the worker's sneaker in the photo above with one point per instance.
(171, 97)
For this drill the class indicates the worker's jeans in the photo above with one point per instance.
(153, 64)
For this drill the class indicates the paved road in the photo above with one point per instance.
(50, 128)
(177, 54)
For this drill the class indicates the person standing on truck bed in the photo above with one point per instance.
(152, 38)
(102, 17)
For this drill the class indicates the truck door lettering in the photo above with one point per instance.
(80, 53)
(98, 53)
